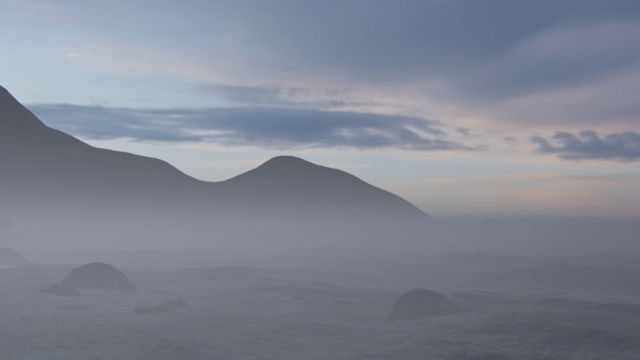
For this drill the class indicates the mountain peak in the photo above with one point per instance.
(3, 91)
(287, 169)
(289, 179)
(287, 161)
(14, 115)
(21, 129)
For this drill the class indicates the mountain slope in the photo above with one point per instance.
(59, 185)
(291, 181)
(46, 163)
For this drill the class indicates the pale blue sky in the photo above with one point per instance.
(453, 104)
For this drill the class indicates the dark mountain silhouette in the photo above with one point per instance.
(40, 161)
(419, 303)
(290, 181)
(62, 188)
(99, 276)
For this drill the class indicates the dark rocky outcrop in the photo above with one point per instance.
(99, 276)
(418, 304)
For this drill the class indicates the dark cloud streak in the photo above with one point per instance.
(262, 127)
(588, 145)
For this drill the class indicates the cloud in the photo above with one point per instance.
(276, 96)
(277, 128)
(569, 62)
(590, 146)
(465, 54)
(505, 48)
(558, 58)
(47, 11)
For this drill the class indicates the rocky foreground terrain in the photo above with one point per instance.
(330, 305)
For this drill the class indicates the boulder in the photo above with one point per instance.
(99, 276)
(419, 304)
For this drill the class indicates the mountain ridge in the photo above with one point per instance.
(54, 176)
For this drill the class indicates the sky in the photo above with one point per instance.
(482, 108)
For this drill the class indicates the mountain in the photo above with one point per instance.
(292, 182)
(66, 193)
(39, 159)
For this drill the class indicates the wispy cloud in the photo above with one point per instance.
(588, 145)
(277, 96)
(524, 63)
(276, 128)
(47, 11)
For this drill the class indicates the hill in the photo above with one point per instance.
(58, 188)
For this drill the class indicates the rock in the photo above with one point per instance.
(419, 304)
(62, 290)
(99, 276)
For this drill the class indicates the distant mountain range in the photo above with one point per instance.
(67, 194)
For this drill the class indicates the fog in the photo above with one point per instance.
(108, 255)
(319, 303)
